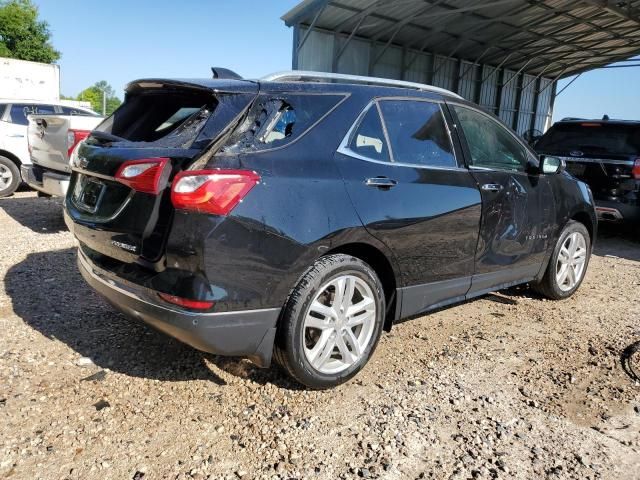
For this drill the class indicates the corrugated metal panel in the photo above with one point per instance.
(543, 109)
(445, 72)
(389, 65)
(508, 97)
(317, 52)
(468, 80)
(418, 65)
(527, 99)
(489, 88)
(355, 59)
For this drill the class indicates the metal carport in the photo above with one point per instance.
(506, 55)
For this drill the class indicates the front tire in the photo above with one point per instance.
(9, 177)
(332, 322)
(568, 264)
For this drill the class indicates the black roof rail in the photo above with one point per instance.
(224, 73)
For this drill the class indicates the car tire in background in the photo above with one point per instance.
(331, 323)
(568, 264)
(9, 177)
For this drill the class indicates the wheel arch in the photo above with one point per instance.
(384, 268)
(585, 219)
(10, 156)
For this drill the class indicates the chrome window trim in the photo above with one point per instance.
(344, 145)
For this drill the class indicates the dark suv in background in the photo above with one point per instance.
(605, 154)
(302, 214)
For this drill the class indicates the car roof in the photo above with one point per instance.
(577, 121)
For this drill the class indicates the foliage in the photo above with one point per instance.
(94, 94)
(22, 35)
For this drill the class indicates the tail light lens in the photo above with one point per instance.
(185, 302)
(635, 172)
(212, 191)
(142, 175)
(74, 137)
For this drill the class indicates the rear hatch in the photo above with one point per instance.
(52, 138)
(119, 195)
(601, 154)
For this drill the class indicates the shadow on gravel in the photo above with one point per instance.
(630, 360)
(42, 215)
(49, 294)
(618, 240)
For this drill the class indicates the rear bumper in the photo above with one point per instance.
(248, 333)
(45, 181)
(608, 210)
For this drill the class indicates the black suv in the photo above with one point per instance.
(605, 154)
(300, 215)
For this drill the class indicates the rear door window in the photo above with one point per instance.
(591, 138)
(18, 112)
(417, 133)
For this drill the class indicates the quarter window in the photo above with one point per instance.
(368, 139)
(417, 133)
(490, 144)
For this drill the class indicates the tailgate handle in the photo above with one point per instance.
(491, 187)
(380, 182)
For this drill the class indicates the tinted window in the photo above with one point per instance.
(491, 145)
(75, 111)
(417, 133)
(18, 112)
(276, 121)
(368, 140)
(591, 138)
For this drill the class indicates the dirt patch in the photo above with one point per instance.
(507, 386)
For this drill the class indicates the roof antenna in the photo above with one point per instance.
(605, 117)
(224, 73)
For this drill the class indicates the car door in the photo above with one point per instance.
(402, 175)
(517, 202)
(14, 131)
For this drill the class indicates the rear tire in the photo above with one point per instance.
(326, 337)
(9, 177)
(571, 256)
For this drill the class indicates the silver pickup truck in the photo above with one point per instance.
(52, 138)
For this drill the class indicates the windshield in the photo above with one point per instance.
(592, 138)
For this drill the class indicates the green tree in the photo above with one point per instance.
(22, 35)
(94, 94)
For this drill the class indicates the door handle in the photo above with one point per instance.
(491, 187)
(380, 182)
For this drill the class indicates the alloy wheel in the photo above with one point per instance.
(571, 262)
(6, 177)
(339, 324)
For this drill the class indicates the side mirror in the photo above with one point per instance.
(550, 165)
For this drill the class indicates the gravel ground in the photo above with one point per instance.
(507, 386)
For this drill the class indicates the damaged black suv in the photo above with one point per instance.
(299, 216)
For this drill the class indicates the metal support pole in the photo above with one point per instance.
(310, 29)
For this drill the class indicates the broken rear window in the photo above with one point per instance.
(170, 119)
(275, 121)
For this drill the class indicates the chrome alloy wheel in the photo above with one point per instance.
(339, 324)
(6, 177)
(571, 261)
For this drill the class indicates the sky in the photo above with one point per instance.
(120, 41)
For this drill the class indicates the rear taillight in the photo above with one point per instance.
(635, 171)
(74, 137)
(185, 302)
(212, 191)
(142, 175)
